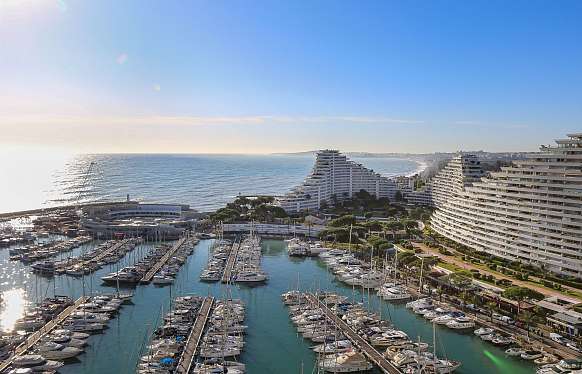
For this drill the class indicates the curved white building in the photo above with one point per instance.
(334, 175)
(530, 211)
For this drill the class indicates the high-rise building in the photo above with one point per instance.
(530, 211)
(335, 177)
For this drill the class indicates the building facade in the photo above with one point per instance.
(530, 211)
(335, 176)
(412, 195)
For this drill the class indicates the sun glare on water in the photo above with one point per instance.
(13, 308)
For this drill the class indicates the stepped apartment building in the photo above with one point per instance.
(530, 211)
(334, 175)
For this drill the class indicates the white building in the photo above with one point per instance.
(412, 195)
(333, 175)
(530, 211)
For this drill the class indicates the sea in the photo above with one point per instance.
(205, 182)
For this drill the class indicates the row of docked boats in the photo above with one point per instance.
(299, 248)
(167, 274)
(352, 271)
(336, 353)
(69, 339)
(168, 341)
(219, 253)
(131, 275)
(9, 237)
(440, 315)
(109, 252)
(247, 265)
(40, 251)
(222, 341)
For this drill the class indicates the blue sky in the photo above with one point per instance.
(270, 76)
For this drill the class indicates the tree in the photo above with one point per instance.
(393, 226)
(520, 294)
(492, 307)
(342, 221)
(398, 196)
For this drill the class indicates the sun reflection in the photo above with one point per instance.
(14, 306)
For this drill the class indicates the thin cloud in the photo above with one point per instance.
(201, 120)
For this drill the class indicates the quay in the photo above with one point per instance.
(185, 362)
(367, 349)
(162, 261)
(43, 331)
(227, 275)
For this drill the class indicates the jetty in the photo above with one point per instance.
(162, 261)
(227, 275)
(99, 256)
(185, 362)
(370, 352)
(43, 331)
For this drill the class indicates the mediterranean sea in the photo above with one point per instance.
(205, 182)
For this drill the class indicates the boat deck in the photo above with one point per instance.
(371, 353)
(185, 362)
(162, 261)
(227, 275)
(39, 334)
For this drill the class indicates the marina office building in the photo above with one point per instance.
(334, 176)
(530, 211)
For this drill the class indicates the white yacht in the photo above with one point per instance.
(36, 363)
(56, 351)
(461, 323)
(348, 362)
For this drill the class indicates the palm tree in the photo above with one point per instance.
(492, 307)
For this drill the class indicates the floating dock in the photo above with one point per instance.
(185, 363)
(371, 353)
(162, 261)
(227, 275)
(43, 331)
(100, 256)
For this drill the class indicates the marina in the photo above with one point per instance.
(266, 317)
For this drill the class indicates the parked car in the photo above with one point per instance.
(558, 338)
(504, 319)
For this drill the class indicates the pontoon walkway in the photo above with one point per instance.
(370, 352)
(185, 363)
(39, 334)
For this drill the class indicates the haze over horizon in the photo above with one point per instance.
(275, 77)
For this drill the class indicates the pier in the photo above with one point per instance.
(100, 256)
(185, 363)
(162, 261)
(43, 331)
(371, 353)
(227, 275)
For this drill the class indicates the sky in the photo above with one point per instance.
(285, 76)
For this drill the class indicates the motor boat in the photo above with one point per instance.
(56, 351)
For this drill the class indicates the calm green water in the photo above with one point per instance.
(272, 345)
